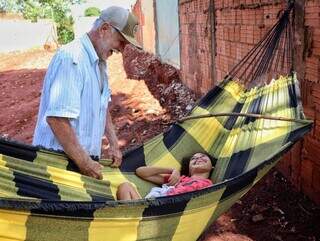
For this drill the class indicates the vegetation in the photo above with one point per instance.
(92, 11)
(57, 10)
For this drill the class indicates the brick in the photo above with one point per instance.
(317, 126)
(312, 194)
(225, 33)
(284, 165)
(306, 174)
(243, 34)
(231, 34)
(311, 3)
(218, 3)
(237, 31)
(250, 34)
(311, 149)
(313, 22)
(316, 93)
(295, 155)
(233, 50)
(309, 112)
(306, 93)
(227, 48)
(316, 178)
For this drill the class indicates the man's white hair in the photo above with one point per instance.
(98, 23)
(116, 16)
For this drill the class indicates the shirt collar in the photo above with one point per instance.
(85, 40)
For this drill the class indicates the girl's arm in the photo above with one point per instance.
(157, 174)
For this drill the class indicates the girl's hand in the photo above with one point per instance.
(174, 178)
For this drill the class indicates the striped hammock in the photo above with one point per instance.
(43, 197)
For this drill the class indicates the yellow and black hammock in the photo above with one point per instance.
(43, 197)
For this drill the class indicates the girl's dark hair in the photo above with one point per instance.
(186, 161)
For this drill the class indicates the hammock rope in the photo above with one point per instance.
(273, 53)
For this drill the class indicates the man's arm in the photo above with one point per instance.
(66, 136)
(114, 150)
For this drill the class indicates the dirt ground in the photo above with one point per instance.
(271, 211)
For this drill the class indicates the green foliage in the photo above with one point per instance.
(31, 11)
(65, 30)
(13, 6)
(57, 10)
(92, 11)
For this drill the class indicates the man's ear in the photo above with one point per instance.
(105, 28)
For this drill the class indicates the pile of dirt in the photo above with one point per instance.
(139, 64)
(163, 81)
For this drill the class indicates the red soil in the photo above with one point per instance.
(142, 109)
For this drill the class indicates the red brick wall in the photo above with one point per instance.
(302, 164)
(310, 161)
(195, 35)
(239, 24)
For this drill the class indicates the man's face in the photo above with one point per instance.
(110, 40)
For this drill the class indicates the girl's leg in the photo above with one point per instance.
(127, 192)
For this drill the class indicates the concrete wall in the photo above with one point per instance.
(149, 43)
(137, 11)
(167, 31)
(238, 25)
(19, 35)
(83, 25)
(146, 36)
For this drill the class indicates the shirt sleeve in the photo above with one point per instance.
(65, 90)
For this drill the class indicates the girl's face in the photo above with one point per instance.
(200, 163)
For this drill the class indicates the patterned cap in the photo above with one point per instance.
(122, 20)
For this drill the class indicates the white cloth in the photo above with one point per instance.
(159, 191)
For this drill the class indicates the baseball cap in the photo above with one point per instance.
(122, 20)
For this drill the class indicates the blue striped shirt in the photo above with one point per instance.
(75, 88)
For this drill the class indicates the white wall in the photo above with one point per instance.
(149, 32)
(82, 25)
(18, 35)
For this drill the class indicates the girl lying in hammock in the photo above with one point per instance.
(195, 173)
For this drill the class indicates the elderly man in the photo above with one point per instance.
(73, 114)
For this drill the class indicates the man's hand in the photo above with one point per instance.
(91, 168)
(116, 156)
(114, 150)
(66, 136)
